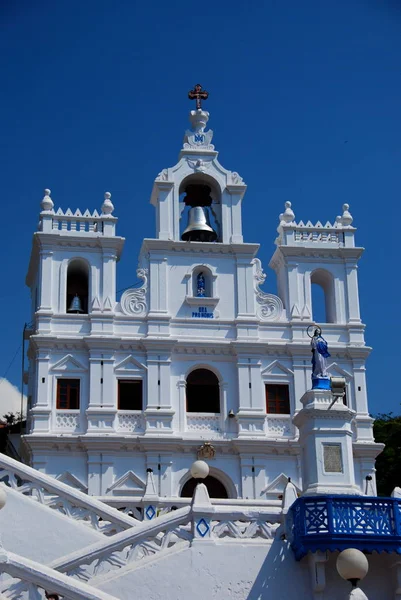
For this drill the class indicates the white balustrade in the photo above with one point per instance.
(169, 532)
(129, 422)
(63, 498)
(149, 539)
(279, 426)
(76, 223)
(68, 420)
(203, 422)
(24, 579)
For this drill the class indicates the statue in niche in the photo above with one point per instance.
(320, 352)
(200, 285)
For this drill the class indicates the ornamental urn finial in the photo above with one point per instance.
(346, 217)
(288, 215)
(47, 203)
(107, 206)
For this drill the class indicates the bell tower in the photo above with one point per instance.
(198, 194)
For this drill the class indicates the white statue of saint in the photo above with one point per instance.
(319, 354)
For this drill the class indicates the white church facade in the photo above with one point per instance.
(123, 386)
(179, 442)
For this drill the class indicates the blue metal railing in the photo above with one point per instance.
(340, 522)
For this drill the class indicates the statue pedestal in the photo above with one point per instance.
(320, 383)
(325, 436)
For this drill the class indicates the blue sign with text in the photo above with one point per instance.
(202, 313)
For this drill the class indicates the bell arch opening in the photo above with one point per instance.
(77, 293)
(323, 297)
(200, 210)
(215, 488)
(203, 392)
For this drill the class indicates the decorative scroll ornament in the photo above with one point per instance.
(236, 178)
(163, 175)
(133, 301)
(270, 306)
(206, 451)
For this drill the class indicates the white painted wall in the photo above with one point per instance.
(243, 572)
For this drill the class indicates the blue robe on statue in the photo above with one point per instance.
(319, 354)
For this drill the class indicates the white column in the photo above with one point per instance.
(182, 402)
(237, 193)
(94, 473)
(41, 410)
(352, 293)
(109, 276)
(164, 214)
(45, 281)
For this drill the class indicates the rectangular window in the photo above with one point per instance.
(277, 399)
(129, 394)
(68, 394)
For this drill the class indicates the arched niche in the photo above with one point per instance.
(202, 391)
(323, 297)
(211, 208)
(77, 284)
(202, 272)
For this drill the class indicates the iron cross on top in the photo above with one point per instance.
(198, 94)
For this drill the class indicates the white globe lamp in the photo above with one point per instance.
(352, 565)
(3, 497)
(200, 469)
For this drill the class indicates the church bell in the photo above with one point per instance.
(198, 229)
(76, 305)
(199, 199)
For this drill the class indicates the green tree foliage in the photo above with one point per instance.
(387, 429)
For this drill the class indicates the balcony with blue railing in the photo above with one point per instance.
(339, 522)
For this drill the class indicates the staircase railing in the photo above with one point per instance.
(148, 539)
(59, 496)
(173, 531)
(24, 579)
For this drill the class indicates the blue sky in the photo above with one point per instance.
(305, 102)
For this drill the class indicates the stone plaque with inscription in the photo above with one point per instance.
(332, 458)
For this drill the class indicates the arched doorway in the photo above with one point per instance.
(215, 488)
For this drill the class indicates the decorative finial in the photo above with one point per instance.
(47, 203)
(288, 215)
(346, 218)
(107, 206)
(198, 94)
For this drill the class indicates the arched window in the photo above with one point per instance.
(323, 297)
(215, 488)
(77, 287)
(202, 282)
(203, 392)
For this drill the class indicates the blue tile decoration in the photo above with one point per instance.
(150, 512)
(340, 522)
(202, 527)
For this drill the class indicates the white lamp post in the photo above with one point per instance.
(199, 469)
(353, 566)
(3, 497)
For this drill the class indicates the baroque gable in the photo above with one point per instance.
(277, 369)
(129, 365)
(128, 484)
(276, 487)
(69, 363)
